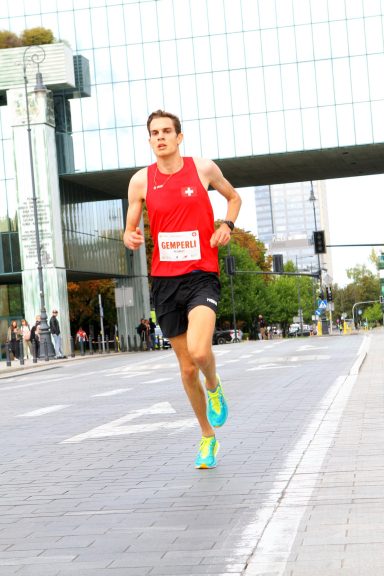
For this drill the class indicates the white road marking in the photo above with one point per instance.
(311, 347)
(156, 380)
(271, 366)
(117, 428)
(42, 411)
(111, 392)
(276, 524)
(132, 375)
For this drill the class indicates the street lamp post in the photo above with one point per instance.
(36, 55)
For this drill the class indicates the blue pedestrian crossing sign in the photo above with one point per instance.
(322, 304)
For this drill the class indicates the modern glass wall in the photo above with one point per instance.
(246, 76)
(92, 231)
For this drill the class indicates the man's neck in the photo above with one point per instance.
(170, 165)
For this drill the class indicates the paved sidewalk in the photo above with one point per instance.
(332, 523)
(30, 366)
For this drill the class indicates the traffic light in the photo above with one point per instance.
(329, 294)
(278, 264)
(230, 266)
(381, 299)
(319, 242)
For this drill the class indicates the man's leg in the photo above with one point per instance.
(201, 325)
(191, 381)
(55, 343)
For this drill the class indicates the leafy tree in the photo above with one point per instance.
(374, 314)
(284, 298)
(365, 287)
(256, 248)
(37, 36)
(83, 299)
(250, 290)
(9, 39)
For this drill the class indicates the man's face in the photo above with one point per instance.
(163, 138)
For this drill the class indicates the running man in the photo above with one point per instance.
(185, 266)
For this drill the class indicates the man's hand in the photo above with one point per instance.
(221, 236)
(133, 239)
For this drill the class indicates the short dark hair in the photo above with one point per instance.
(163, 114)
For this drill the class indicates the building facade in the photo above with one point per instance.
(287, 215)
(276, 91)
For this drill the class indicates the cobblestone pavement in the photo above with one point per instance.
(97, 476)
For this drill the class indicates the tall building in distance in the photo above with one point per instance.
(287, 215)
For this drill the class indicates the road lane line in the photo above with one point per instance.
(111, 392)
(42, 411)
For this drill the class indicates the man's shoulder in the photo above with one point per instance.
(203, 163)
(138, 183)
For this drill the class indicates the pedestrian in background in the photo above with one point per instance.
(262, 328)
(35, 336)
(152, 334)
(25, 333)
(13, 339)
(55, 331)
(81, 335)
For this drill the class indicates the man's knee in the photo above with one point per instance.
(189, 372)
(200, 355)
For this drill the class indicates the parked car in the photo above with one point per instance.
(161, 341)
(226, 336)
(295, 330)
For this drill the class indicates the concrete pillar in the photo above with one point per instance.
(42, 125)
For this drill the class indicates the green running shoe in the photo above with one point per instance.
(217, 409)
(208, 449)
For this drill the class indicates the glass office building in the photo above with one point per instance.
(287, 215)
(275, 91)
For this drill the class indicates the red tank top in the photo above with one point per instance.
(181, 221)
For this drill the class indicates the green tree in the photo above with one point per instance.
(284, 294)
(250, 290)
(365, 287)
(374, 314)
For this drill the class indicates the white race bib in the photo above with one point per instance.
(179, 246)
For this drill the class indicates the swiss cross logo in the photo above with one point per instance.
(189, 191)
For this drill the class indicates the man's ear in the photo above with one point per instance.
(180, 138)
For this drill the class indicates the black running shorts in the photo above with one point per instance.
(175, 296)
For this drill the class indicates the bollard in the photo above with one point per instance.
(130, 348)
(99, 344)
(72, 345)
(46, 357)
(122, 343)
(135, 343)
(34, 352)
(82, 351)
(7, 355)
(90, 345)
(116, 344)
(21, 352)
(107, 343)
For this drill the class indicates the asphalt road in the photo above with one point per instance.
(97, 469)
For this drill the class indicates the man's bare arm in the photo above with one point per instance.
(211, 175)
(133, 235)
